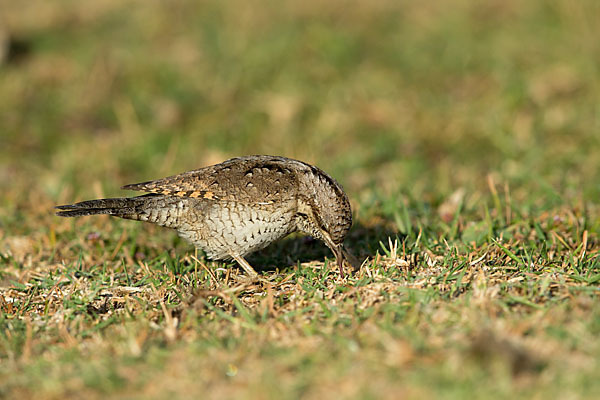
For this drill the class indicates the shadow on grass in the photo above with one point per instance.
(362, 241)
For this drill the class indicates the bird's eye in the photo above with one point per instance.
(302, 215)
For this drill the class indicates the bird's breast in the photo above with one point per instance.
(222, 228)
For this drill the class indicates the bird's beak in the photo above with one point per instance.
(339, 257)
(354, 262)
(342, 255)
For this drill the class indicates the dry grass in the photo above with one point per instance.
(465, 136)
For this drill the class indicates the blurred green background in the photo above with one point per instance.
(385, 95)
(451, 124)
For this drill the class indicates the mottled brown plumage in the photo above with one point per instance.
(238, 206)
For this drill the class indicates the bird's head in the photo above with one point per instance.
(324, 212)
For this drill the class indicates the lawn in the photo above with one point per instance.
(466, 134)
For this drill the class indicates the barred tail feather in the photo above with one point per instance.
(87, 211)
(155, 208)
(120, 207)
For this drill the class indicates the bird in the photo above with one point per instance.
(238, 206)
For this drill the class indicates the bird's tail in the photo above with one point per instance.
(149, 207)
(119, 207)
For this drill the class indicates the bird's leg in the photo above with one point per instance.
(244, 264)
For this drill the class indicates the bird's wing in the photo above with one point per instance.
(252, 179)
(193, 184)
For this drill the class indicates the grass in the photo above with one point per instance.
(465, 134)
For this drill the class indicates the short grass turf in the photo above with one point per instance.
(465, 133)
